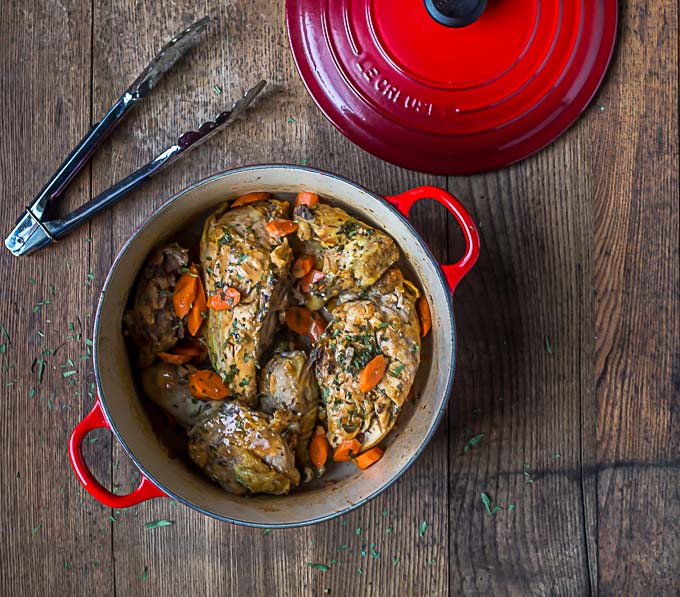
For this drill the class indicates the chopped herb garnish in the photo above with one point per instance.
(556, 455)
(266, 532)
(495, 510)
(374, 552)
(291, 120)
(396, 560)
(321, 567)
(112, 519)
(388, 530)
(487, 502)
(32, 281)
(472, 442)
(511, 507)
(158, 523)
(342, 547)
(217, 89)
(145, 574)
(398, 370)
(34, 530)
(548, 347)
(358, 530)
(422, 529)
(68, 373)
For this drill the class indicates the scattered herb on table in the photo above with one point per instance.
(374, 552)
(556, 455)
(548, 347)
(316, 566)
(487, 502)
(396, 560)
(422, 529)
(154, 524)
(34, 530)
(217, 89)
(342, 547)
(511, 507)
(358, 530)
(32, 281)
(112, 519)
(473, 441)
(291, 120)
(266, 532)
(145, 574)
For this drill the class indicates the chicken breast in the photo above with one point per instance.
(289, 393)
(237, 448)
(151, 322)
(238, 252)
(385, 322)
(167, 386)
(351, 254)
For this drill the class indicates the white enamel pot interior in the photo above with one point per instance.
(120, 405)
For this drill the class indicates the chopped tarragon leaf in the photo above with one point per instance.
(112, 519)
(154, 524)
(495, 510)
(145, 574)
(487, 502)
(321, 567)
(342, 547)
(556, 455)
(422, 529)
(548, 347)
(34, 530)
(266, 532)
(374, 552)
(358, 530)
(511, 507)
(68, 373)
(388, 530)
(217, 89)
(396, 560)
(398, 370)
(472, 442)
(291, 120)
(32, 281)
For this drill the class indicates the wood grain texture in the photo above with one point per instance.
(580, 246)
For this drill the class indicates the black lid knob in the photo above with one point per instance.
(455, 13)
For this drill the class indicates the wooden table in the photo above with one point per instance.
(569, 328)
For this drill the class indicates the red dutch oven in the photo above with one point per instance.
(119, 406)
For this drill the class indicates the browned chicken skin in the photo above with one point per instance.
(151, 322)
(238, 252)
(385, 322)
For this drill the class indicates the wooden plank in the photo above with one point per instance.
(522, 323)
(285, 128)
(53, 539)
(637, 329)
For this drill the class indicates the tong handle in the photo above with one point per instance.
(81, 154)
(60, 228)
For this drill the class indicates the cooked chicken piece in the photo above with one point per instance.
(288, 391)
(238, 252)
(351, 254)
(237, 448)
(386, 323)
(167, 386)
(151, 322)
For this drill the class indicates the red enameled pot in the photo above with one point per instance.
(120, 406)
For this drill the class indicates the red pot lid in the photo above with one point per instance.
(452, 100)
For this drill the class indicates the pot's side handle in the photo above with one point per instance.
(456, 272)
(144, 491)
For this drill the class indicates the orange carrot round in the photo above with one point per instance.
(319, 448)
(369, 457)
(302, 266)
(224, 298)
(306, 198)
(425, 315)
(185, 290)
(312, 277)
(198, 307)
(250, 198)
(280, 227)
(372, 373)
(347, 450)
(174, 359)
(205, 384)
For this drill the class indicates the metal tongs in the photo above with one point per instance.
(32, 232)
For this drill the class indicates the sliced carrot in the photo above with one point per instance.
(224, 298)
(318, 326)
(303, 265)
(312, 277)
(369, 457)
(425, 315)
(174, 359)
(302, 321)
(195, 318)
(185, 290)
(372, 373)
(280, 227)
(319, 448)
(205, 384)
(250, 198)
(306, 198)
(347, 450)
(299, 319)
